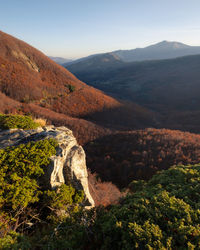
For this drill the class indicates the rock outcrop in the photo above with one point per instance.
(67, 166)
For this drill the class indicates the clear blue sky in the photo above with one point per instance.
(76, 28)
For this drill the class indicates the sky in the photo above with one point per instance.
(77, 28)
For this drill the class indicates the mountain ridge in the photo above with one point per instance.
(161, 50)
(169, 87)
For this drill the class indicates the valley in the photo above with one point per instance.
(138, 124)
(169, 88)
(151, 94)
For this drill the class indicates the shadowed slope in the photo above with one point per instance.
(168, 87)
(124, 156)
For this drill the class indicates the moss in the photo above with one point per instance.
(17, 121)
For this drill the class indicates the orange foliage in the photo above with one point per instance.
(30, 77)
(103, 193)
(83, 130)
(30, 83)
(8, 105)
(27, 76)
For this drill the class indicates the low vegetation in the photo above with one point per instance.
(162, 213)
(17, 121)
(42, 122)
(71, 88)
(24, 202)
(103, 193)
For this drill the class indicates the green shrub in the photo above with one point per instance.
(64, 200)
(68, 235)
(17, 121)
(14, 241)
(23, 200)
(70, 87)
(63, 197)
(163, 214)
(20, 168)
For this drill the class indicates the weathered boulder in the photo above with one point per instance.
(67, 166)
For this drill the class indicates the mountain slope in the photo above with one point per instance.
(172, 82)
(162, 50)
(158, 51)
(36, 84)
(28, 75)
(170, 87)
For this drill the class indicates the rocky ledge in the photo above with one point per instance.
(67, 166)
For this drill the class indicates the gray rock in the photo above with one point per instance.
(67, 166)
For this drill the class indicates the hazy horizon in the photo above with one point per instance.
(122, 49)
(80, 28)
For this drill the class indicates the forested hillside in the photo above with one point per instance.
(31, 83)
(169, 88)
(124, 156)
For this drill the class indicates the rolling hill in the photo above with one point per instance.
(32, 83)
(27, 76)
(169, 87)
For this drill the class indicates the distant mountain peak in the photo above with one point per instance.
(165, 42)
(169, 45)
(162, 50)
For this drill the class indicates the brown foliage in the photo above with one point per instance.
(124, 156)
(30, 77)
(27, 76)
(30, 83)
(8, 105)
(83, 130)
(103, 193)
